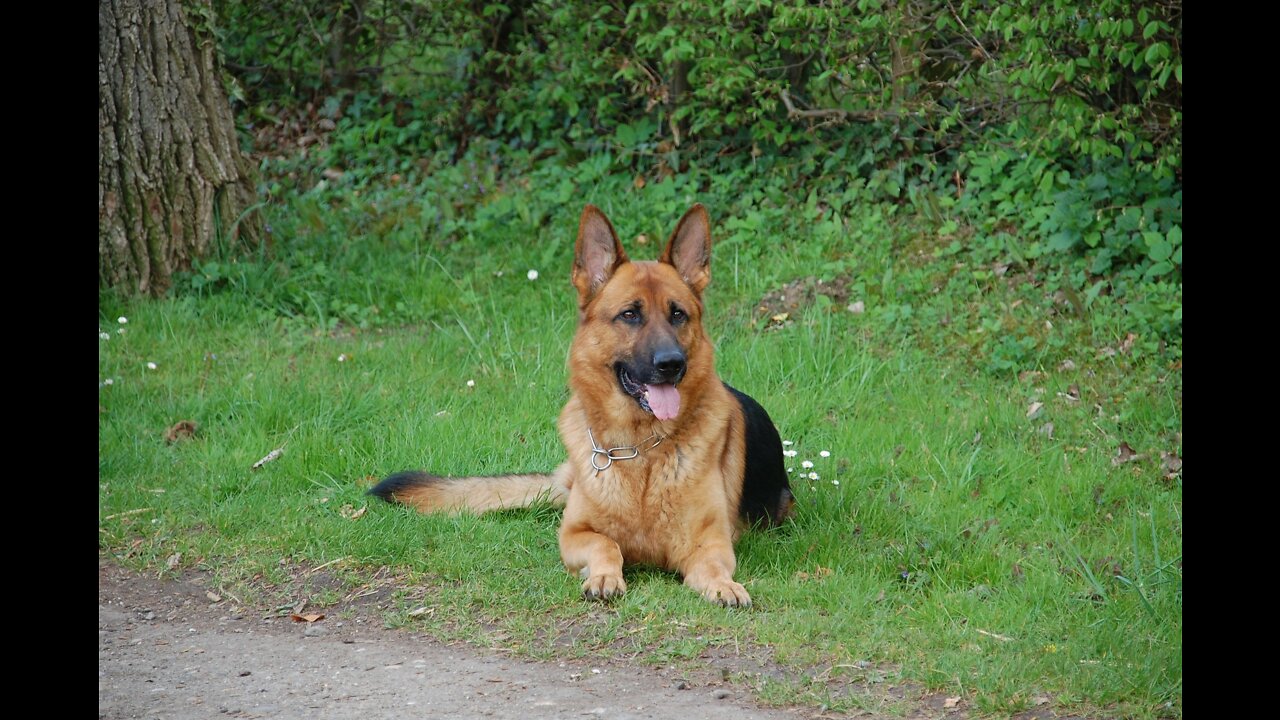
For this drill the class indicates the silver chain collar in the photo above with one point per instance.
(622, 452)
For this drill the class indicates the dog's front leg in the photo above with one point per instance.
(709, 569)
(596, 558)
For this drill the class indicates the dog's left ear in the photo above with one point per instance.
(689, 249)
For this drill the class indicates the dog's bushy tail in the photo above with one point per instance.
(430, 493)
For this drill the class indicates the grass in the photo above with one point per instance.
(965, 548)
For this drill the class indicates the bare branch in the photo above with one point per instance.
(838, 114)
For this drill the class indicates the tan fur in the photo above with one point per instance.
(484, 494)
(675, 505)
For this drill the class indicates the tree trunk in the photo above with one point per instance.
(172, 182)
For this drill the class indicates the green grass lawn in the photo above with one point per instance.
(958, 536)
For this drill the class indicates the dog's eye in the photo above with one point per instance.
(629, 316)
(678, 316)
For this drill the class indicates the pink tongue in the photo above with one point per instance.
(664, 400)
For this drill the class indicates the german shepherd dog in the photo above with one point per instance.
(667, 464)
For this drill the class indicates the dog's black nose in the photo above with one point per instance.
(669, 363)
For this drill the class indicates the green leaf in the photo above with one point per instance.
(1160, 252)
(1063, 240)
(1150, 30)
(1157, 52)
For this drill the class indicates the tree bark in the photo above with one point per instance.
(172, 182)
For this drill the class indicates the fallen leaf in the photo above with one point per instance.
(307, 618)
(642, 239)
(1127, 345)
(1072, 394)
(639, 182)
(332, 174)
(424, 610)
(269, 457)
(350, 513)
(951, 702)
(1034, 410)
(1125, 454)
(1028, 376)
(1067, 365)
(817, 574)
(1046, 430)
(181, 430)
(213, 596)
(1172, 465)
(173, 560)
(1040, 700)
(858, 308)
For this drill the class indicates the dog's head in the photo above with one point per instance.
(640, 323)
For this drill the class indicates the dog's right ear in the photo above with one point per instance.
(596, 255)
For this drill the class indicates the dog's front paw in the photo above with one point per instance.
(604, 587)
(727, 593)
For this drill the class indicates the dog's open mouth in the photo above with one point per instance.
(662, 400)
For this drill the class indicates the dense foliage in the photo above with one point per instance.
(1045, 137)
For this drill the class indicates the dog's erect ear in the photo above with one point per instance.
(689, 249)
(597, 253)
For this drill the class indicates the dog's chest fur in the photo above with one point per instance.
(654, 503)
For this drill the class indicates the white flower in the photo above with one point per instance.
(122, 320)
(471, 383)
(835, 482)
(151, 366)
(825, 453)
(104, 336)
(791, 469)
(813, 476)
(342, 357)
(533, 274)
(806, 464)
(789, 453)
(120, 331)
(787, 442)
(109, 381)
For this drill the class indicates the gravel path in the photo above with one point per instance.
(163, 653)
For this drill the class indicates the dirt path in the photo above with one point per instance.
(163, 654)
